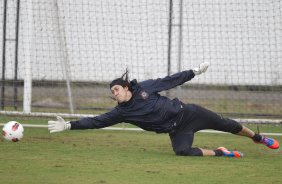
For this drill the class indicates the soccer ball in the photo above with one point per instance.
(13, 131)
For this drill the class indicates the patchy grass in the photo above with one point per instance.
(100, 156)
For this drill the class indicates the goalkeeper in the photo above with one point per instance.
(140, 103)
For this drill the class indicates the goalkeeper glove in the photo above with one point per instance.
(59, 125)
(201, 69)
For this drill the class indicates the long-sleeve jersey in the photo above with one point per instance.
(146, 109)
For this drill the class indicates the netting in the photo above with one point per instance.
(68, 51)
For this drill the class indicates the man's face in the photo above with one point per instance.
(120, 93)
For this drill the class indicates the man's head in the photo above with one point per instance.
(120, 88)
(119, 81)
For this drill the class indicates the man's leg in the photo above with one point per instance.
(206, 119)
(257, 138)
(182, 144)
(182, 139)
(208, 152)
(246, 132)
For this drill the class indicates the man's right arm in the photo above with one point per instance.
(101, 121)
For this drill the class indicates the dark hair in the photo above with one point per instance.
(123, 80)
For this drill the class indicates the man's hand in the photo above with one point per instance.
(202, 68)
(59, 125)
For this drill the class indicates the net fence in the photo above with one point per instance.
(60, 55)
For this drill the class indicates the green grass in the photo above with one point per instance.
(101, 156)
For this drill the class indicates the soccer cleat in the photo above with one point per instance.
(269, 142)
(228, 153)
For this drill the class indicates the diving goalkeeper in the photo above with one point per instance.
(140, 103)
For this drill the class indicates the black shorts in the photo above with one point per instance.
(197, 118)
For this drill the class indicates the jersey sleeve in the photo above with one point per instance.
(101, 121)
(167, 82)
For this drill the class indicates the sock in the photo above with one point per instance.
(218, 152)
(257, 138)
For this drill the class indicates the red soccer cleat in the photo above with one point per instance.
(228, 153)
(269, 142)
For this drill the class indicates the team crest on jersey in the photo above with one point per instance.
(144, 95)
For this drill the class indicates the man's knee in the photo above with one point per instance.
(188, 152)
(236, 127)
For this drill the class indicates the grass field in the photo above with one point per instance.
(103, 156)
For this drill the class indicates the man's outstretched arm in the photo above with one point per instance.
(101, 121)
(174, 80)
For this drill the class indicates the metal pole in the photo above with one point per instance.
(65, 62)
(169, 37)
(28, 48)
(3, 56)
(180, 45)
(16, 57)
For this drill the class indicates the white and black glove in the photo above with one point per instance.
(59, 125)
(202, 68)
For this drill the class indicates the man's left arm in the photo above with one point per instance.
(174, 80)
